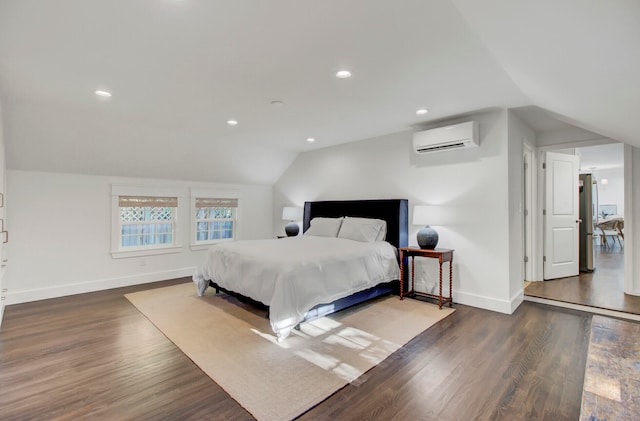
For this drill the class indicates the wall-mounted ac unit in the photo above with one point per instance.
(456, 136)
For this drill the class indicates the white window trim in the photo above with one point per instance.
(211, 193)
(117, 190)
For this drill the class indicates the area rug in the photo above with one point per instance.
(612, 375)
(233, 343)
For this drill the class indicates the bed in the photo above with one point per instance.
(305, 277)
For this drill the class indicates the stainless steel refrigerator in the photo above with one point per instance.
(588, 216)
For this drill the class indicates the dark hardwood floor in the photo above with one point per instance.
(603, 288)
(94, 356)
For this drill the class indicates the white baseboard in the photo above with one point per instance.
(27, 295)
(516, 300)
(489, 303)
(24, 296)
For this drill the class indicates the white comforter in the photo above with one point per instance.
(293, 275)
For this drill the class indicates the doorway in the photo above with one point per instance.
(604, 287)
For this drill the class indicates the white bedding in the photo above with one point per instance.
(293, 275)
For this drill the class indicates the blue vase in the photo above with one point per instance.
(427, 238)
(292, 229)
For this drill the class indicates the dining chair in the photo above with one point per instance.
(609, 228)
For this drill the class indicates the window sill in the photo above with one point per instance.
(205, 246)
(121, 254)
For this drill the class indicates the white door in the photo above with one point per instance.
(561, 216)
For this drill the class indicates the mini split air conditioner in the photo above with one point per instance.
(457, 136)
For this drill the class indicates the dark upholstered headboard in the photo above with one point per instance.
(394, 211)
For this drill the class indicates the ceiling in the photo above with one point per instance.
(601, 157)
(179, 69)
(541, 120)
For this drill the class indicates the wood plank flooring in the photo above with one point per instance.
(603, 288)
(94, 356)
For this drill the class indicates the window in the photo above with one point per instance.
(146, 221)
(215, 219)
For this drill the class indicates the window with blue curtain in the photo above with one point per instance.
(215, 219)
(147, 221)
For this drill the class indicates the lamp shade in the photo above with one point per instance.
(427, 215)
(291, 213)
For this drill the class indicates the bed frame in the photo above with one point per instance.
(394, 211)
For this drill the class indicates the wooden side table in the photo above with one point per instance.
(443, 255)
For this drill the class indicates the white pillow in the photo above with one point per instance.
(324, 227)
(363, 229)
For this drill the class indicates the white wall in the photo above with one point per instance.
(613, 191)
(569, 137)
(61, 234)
(519, 133)
(471, 184)
(632, 227)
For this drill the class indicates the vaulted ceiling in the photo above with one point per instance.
(179, 69)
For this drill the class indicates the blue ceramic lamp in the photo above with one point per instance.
(424, 215)
(292, 214)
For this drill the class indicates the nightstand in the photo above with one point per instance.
(443, 255)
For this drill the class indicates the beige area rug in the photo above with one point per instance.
(612, 376)
(233, 343)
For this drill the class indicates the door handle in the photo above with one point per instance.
(578, 221)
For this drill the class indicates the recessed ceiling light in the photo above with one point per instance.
(232, 122)
(422, 111)
(310, 139)
(343, 74)
(104, 94)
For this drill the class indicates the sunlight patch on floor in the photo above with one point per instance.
(330, 363)
(338, 340)
(320, 326)
(324, 361)
(377, 353)
(352, 338)
(271, 338)
(361, 345)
